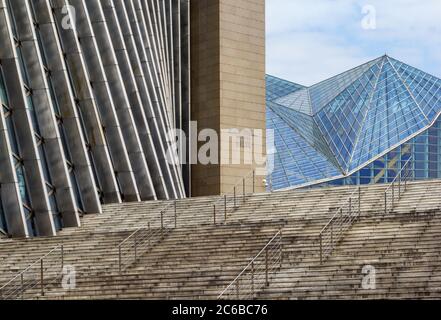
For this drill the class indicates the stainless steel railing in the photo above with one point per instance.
(256, 275)
(340, 222)
(398, 186)
(269, 184)
(144, 238)
(234, 198)
(46, 270)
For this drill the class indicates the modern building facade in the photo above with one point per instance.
(89, 91)
(359, 127)
(228, 86)
(92, 93)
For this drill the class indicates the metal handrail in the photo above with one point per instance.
(256, 274)
(270, 184)
(399, 180)
(340, 222)
(16, 287)
(230, 201)
(144, 238)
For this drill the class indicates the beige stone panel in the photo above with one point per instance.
(242, 54)
(230, 23)
(243, 79)
(253, 7)
(245, 109)
(235, 122)
(251, 13)
(227, 26)
(248, 40)
(241, 63)
(245, 119)
(230, 81)
(252, 72)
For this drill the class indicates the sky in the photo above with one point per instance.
(311, 40)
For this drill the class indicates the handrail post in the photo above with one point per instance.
(62, 256)
(22, 286)
(350, 206)
(234, 197)
(119, 259)
(254, 181)
(252, 278)
(237, 289)
(385, 202)
(281, 250)
(42, 277)
(359, 200)
(266, 268)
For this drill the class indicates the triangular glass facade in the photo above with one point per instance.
(276, 87)
(352, 120)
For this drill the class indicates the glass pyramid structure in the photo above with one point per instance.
(358, 127)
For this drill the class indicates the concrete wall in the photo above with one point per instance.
(228, 83)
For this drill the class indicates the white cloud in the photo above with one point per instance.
(309, 57)
(298, 15)
(308, 41)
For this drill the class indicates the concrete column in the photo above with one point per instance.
(228, 85)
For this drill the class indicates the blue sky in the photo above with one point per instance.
(311, 40)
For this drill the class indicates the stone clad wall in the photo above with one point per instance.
(228, 83)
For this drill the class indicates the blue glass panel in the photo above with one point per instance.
(425, 88)
(326, 91)
(276, 87)
(11, 135)
(3, 95)
(296, 161)
(392, 116)
(22, 185)
(306, 127)
(355, 120)
(341, 120)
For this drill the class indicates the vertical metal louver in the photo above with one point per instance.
(89, 92)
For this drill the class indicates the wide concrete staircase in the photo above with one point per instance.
(198, 259)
